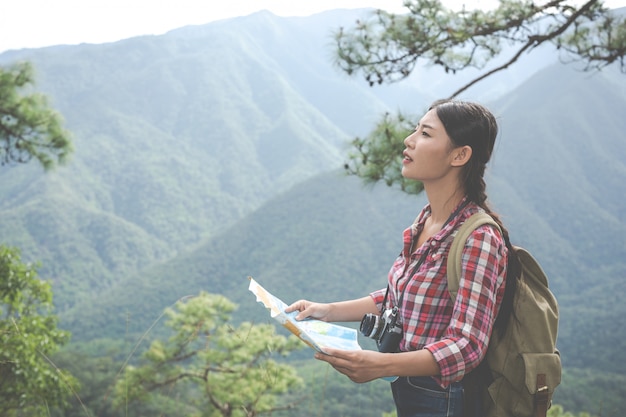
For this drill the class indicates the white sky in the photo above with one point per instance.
(38, 23)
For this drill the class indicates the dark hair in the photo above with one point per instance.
(471, 124)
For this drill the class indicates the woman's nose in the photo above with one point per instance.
(408, 140)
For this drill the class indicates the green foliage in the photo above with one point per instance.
(599, 43)
(210, 368)
(599, 393)
(378, 157)
(29, 381)
(97, 365)
(29, 128)
(335, 207)
(558, 411)
(386, 47)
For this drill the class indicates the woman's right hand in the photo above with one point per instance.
(352, 310)
(308, 309)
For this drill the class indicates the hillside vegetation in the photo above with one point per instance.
(214, 152)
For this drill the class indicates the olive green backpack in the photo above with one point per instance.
(524, 363)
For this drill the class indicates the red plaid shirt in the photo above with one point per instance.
(457, 335)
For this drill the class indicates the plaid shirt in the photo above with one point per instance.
(457, 335)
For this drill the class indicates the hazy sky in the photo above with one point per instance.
(37, 23)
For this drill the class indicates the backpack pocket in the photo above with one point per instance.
(548, 364)
(513, 393)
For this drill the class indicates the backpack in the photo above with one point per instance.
(524, 365)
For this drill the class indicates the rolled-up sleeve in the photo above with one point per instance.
(378, 297)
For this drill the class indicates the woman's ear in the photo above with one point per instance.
(461, 155)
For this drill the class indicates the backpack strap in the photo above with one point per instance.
(542, 397)
(456, 249)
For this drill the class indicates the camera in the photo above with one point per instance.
(384, 329)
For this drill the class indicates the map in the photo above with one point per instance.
(315, 333)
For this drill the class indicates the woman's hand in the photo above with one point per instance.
(358, 365)
(309, 309)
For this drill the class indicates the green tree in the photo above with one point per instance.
(29, 381)
(386, 48)
(96, 373)
(377, 156)
(210, 368)
(29, 127)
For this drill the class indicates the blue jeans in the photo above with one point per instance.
(418, 396)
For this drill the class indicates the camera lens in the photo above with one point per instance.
(369, 325)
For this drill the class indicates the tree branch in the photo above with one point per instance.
(532, 43)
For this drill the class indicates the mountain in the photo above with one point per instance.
(214, 152)
(312, 239)
(177, 137)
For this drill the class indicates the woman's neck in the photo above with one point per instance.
(443, 201)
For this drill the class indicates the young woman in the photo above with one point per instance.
(440, 342)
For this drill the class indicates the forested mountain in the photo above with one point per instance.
(214, 152)
(176, 138)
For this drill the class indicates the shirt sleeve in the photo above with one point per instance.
(465, 341)
(378, 297)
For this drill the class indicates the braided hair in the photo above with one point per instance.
(471, 124)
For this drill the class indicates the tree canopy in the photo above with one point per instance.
(29, 381)
(387, 47)
(211, 368)
(29, 127)
(376, 157)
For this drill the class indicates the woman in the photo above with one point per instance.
(441, 342)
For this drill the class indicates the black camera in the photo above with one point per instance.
(384, 329)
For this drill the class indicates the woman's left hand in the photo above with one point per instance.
(358, 365)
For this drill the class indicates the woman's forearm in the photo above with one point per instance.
(352, 310)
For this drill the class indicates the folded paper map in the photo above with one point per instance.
(315, 333)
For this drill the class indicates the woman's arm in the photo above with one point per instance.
(352, 310)
(366, 365)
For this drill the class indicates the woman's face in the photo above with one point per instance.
(428, 152)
